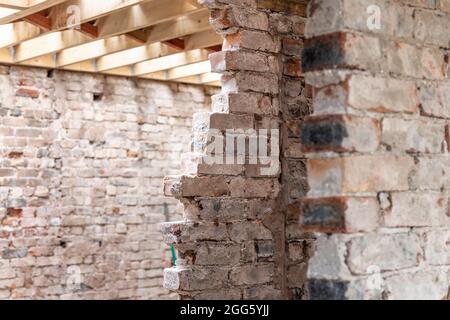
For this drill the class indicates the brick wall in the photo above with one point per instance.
(82, 164)
(234, 243)
(295, 106)
(363, 113)
(362, 187)
(378, 149)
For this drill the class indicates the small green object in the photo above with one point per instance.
(174, 255)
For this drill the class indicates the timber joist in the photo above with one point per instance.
(167, 40)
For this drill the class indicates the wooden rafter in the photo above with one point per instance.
(14, 4)
(154, 39)
(6, 12)
(171, 61)
(55, 42)
(14, 33)
(205, 39)
(88, 10)
(37, 6)
(202, 78)
(180, 27)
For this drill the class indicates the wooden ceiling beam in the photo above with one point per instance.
(192, 23)
(6, 56)
(142, 16)
(171, 61)
(4, 12)
(129, 57)
(152, 39)
(177, 44)
(14, 33)
(205, 39)
(181, 72)
(59, 15)
(88, 10)
(134, 18)
(194, 3)
(89, 29)
(37, 6)
(189, 70)
(95, 49)
(202, 78)
(49, 43)
(39, 20)
(14, 4)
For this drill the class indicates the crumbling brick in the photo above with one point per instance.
(395, 76)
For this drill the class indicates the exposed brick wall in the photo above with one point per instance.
(82, 164)
(378, 149)
(365, 168)
(233, 243)
(295, 105)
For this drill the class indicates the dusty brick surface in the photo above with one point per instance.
(396, 248)
(263, 88)
(357, 209)
(82, 164)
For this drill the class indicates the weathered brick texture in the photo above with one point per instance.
(233, 243)
(377, 147)
(82, 164)
(358, 207)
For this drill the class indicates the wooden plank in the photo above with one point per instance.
(14, 33)
(55, 41)
(194, 3)
(6, 56)
(151, 18)
(191, 23)
(209, 77)
(85, 66)
(142, 16)
(95, 49)
(123, 71)
(117, 60)
(181, 72)
(49, 43)
(205, 39)
(37, 7)
(189, 70)
(4, 12)
(167, 27)
(171, 61)
(89, 10)
(195, 22)
(161, 76)
(40, 21)
(214, 84)
(14, 4)
(43, 62)
(201, 78)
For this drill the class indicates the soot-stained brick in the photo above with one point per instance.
(324, 214)
(14, 253)
(323, 134)
(323, 52)
(321, 289)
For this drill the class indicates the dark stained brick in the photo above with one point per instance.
(323, 52)
(321, 134)
(321, 289)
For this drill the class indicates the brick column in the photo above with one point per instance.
(377, 143)
(232, 242)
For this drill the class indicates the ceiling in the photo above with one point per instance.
(167, 40)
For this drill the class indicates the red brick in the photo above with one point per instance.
(30, 93)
